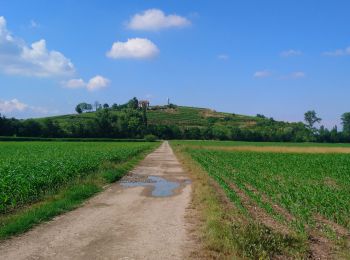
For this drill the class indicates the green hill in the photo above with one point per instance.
(180, 116)
(167, 122)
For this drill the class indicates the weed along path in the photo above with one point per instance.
(141, 217)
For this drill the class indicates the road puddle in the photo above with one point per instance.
(160, 186)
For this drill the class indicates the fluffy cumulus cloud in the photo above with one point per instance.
(19, 58)
(155, 19)
(290, 53)
(14, 107)
(136, 48)
(7, 106)
(74, 83)
(338, 52)
(95, 83)
(262, 74)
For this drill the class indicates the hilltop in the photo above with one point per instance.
(180, 116)
(179, 122)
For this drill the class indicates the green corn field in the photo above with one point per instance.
(29, 170)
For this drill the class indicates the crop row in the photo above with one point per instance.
(29, 170)
(306, 185)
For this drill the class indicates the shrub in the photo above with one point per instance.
(150, 138)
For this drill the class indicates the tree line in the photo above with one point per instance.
(130, 121)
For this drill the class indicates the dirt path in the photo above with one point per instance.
(139, 218)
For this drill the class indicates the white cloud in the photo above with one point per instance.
(74, 83)
(223, 57)
(19, 58)
(338, 52)
(290, 53)
(136, 48)
(262, 74)
(97, 82)
(16, 107)
(155, 19)
(5, 36)
(94, 83)
(12, 105)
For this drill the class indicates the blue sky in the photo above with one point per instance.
(278, 58)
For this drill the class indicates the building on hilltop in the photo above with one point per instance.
(143, 104)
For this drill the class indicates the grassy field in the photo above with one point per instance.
(294, 204)
(29, 170)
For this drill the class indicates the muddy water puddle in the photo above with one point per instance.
(161, 187)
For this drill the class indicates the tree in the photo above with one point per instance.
(51, 128)
(324, 135)
(30, 128)
(78, 109)
(192, 133)
(8, 126)
(88, 107)
(345, 120)
(311, 118)
(81, 107)
(133, 125)
(105, 122)
(334, 138)
(105, 106)
(220, 132)
(133, 103)
(144, 116)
